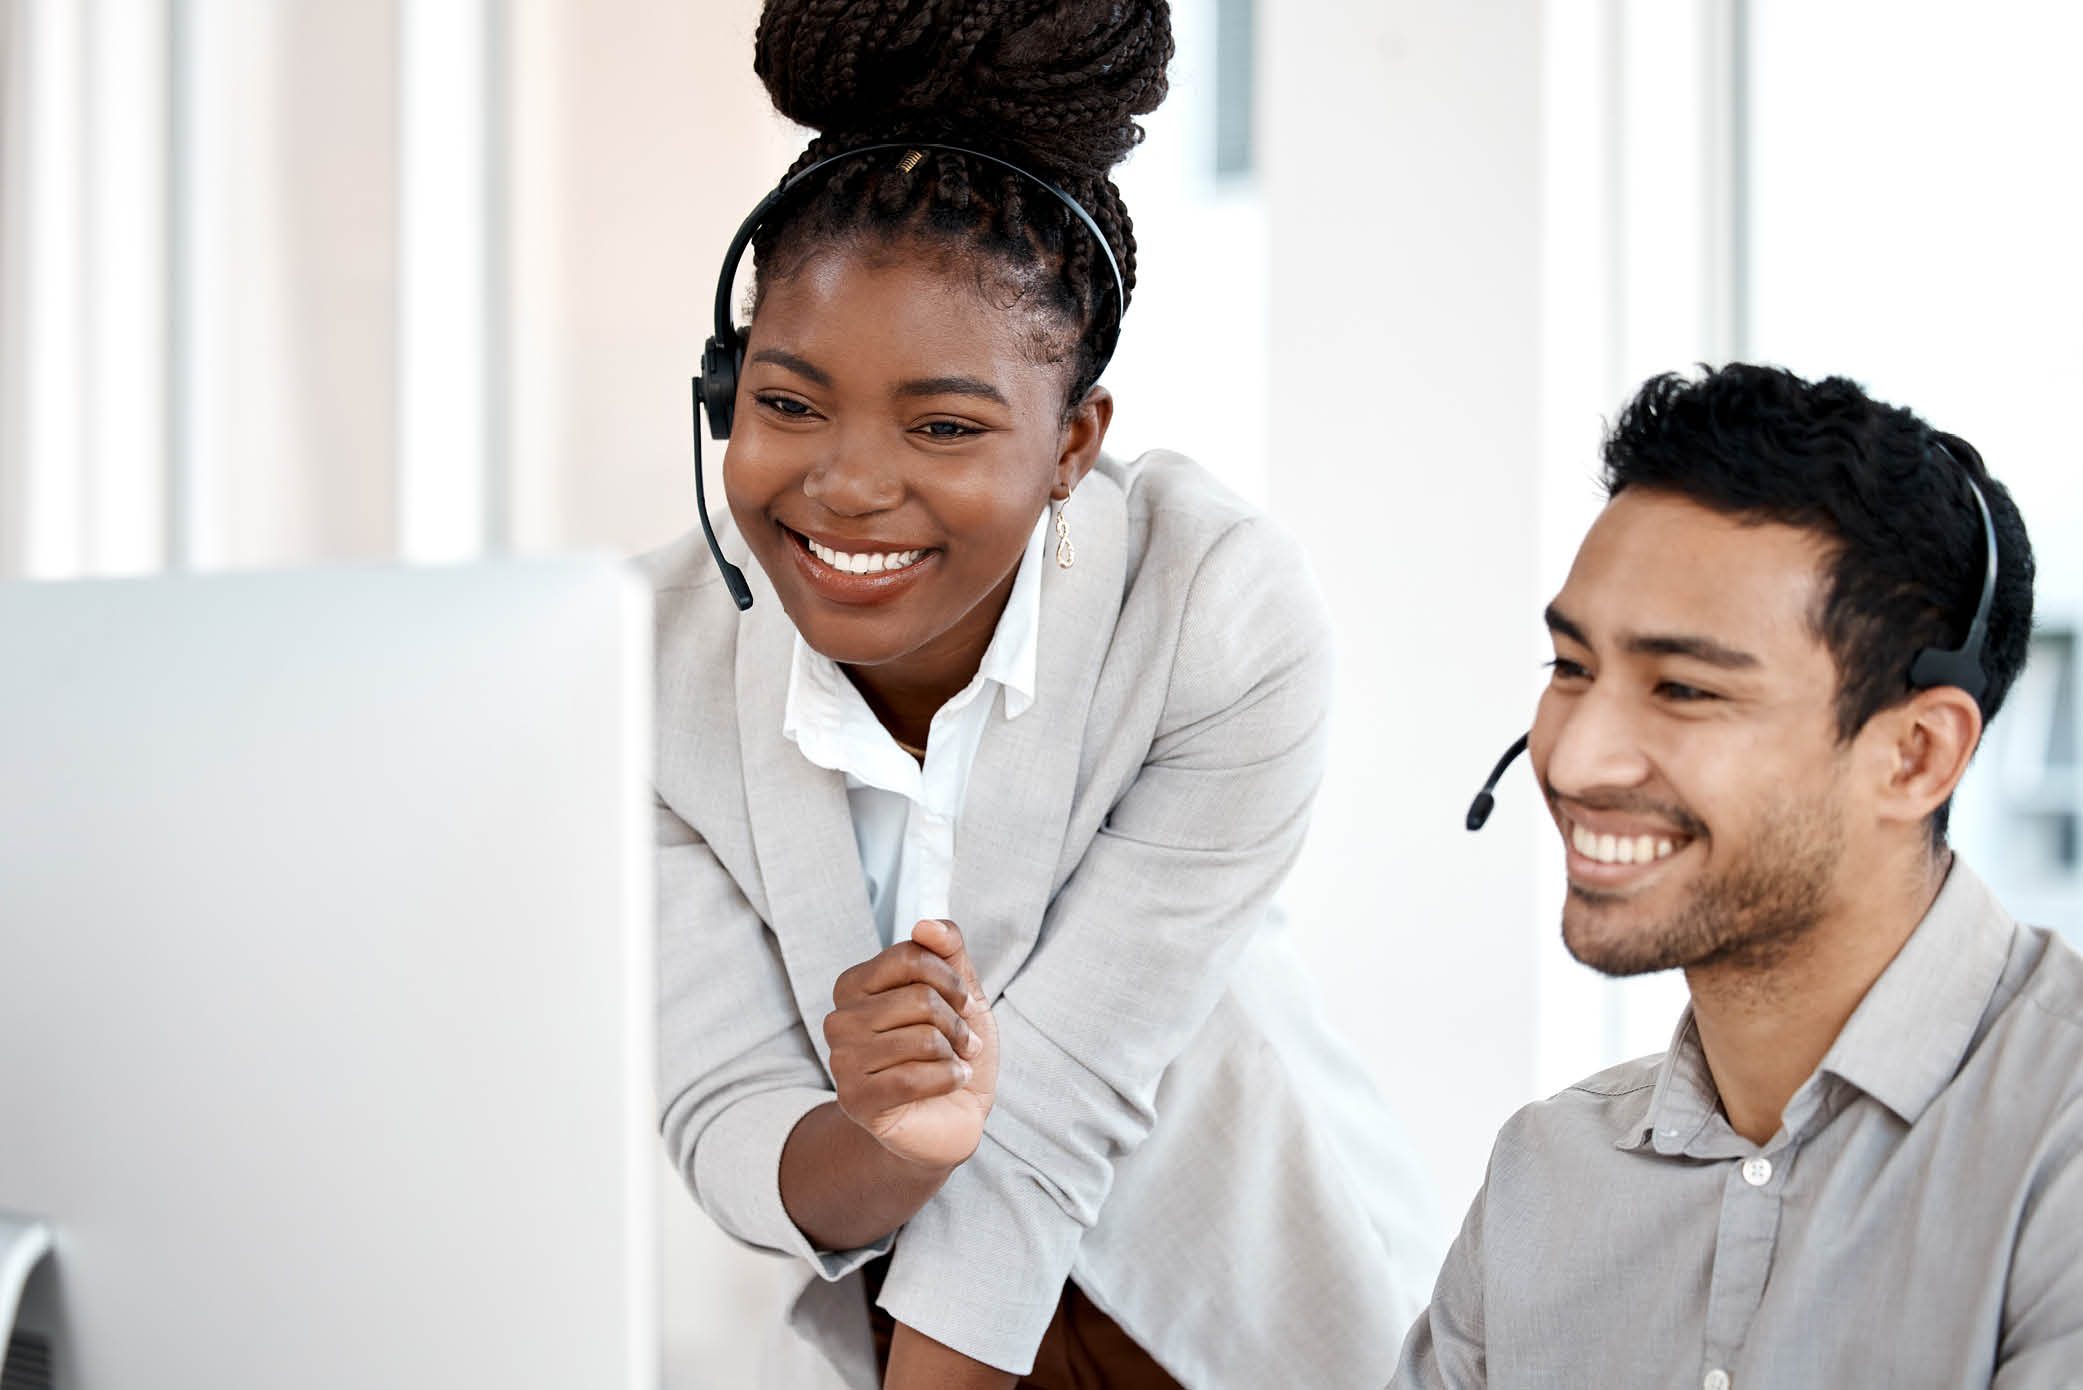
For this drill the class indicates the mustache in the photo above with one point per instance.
(1631, 803)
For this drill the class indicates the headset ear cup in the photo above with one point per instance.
(720, 383)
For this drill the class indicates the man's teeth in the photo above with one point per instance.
(878, 562)
(1619, 849)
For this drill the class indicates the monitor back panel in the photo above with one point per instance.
(325, 991)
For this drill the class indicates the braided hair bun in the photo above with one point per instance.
(1052, 85)
(1058, 83)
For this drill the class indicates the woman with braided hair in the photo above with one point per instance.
(972, 991)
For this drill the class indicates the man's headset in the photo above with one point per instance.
(1934, 666)
(716, 389)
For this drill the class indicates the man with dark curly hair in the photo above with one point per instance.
(1860, 1162)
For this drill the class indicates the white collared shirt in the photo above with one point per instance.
(904, 813)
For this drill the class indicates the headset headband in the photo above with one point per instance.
(1962, 665)
(749, 228)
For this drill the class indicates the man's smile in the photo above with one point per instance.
(1607, 851)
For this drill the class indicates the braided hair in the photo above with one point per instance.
(1051, 85)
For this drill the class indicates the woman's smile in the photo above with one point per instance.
(858, 571)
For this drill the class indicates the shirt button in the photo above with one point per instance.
(1757, 1172)
(1717, 1379)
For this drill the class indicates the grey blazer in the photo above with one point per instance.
(1174, 1128)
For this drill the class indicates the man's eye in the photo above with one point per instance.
(1566, 670)
(1683, 693)
(784, 405)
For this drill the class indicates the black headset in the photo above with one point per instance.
(1933, 666)
(723, 357)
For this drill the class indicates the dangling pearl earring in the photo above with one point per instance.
(1066, 553)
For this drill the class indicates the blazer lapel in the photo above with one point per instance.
(802, 827)
(1017, 807)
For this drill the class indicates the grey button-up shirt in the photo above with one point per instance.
(1916, 1221)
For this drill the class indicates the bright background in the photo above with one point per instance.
(287, 283)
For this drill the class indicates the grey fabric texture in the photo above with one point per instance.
(1917, 1220)
(1173, 1127)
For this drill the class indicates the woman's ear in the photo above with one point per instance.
(1083, 433)
(1925, 744)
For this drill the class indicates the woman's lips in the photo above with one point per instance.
(862, 575)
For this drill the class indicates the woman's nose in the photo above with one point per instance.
(851, 481)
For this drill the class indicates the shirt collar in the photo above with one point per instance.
(1015, 648)
(1683, 1100)
(825, 716)
(1909, 1034)
(1902, 1044)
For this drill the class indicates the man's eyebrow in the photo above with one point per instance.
(1704, 649)
(783, 358)
(1559, 623)
(952, 386)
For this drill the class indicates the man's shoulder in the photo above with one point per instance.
(2053, 983)
(2024, 1076)
(1593, 1115)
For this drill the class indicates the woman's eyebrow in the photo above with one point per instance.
(782, 358)
(951, 386)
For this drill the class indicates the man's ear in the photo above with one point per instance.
(1921, 750)
(1083, 433)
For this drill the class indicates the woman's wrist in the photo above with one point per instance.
(917, 1362)
(843, 1188)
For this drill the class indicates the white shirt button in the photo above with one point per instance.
(1757, 1172)
(1718, 1379)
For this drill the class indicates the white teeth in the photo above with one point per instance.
(1616, 849)
(871, 562)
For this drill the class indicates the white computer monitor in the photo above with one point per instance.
(326, 1002)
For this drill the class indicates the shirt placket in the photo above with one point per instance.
(1744, 1245)
(930, 829)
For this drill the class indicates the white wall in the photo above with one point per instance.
(1403, 165)
(642, 139)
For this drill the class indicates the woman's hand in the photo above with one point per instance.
(914, 1047)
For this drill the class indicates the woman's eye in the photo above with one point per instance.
(787, 406)
(947, 429)
(1566, 670)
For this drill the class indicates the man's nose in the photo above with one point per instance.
(1593, 742)
(852, 480)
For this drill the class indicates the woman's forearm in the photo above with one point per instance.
(843, 1189)
(917, 1362)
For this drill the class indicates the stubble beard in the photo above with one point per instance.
(1747, 919)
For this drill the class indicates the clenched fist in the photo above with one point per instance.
(914, 1047)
